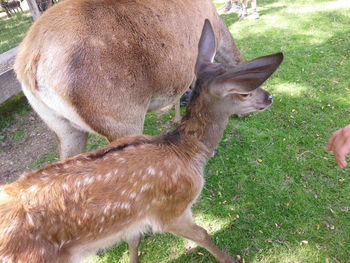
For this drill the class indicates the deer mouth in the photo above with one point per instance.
(263, 108)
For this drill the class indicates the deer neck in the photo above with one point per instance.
(204, 124)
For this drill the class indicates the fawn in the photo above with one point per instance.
(73, 208)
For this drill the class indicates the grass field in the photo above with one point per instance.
(13, 29)
(274, 194)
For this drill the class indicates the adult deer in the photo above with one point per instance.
(99, 65)
(71, 209)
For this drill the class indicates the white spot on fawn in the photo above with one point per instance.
(65, 187)
(151, 171)
(6, 259)
(61, 244)
(30, 219)
(78, 183)
(125, 206)
(107, 209)
(3, 195)
(10, 228)
(88, 180)
(33, 189)
(109, 175)
(122, 160)
(86, 215)
(167, 163)
(145, 187)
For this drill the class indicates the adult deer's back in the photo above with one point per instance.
(99, 66)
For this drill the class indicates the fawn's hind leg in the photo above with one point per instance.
(185, 227)
(134, 244)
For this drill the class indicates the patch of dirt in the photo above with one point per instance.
(28, 144)
(24, 146)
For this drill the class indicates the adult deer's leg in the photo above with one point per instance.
(72, 140)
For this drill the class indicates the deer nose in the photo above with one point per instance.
(270, 98)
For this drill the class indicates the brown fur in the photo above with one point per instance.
(108, 59)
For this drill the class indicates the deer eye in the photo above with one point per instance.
(245, 95)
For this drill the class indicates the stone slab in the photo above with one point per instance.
(6, 56)
(9, 85)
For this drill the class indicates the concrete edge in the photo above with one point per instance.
(6, 56)
(10, 86)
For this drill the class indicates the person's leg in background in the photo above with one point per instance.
(232, 6)
(244, 12)
(255, 14)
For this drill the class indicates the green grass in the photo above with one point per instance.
(17, 105)
(48, 158)
(13, 29)
(18, 135)
(274, 194)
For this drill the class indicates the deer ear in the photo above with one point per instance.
(206, 47)
(245, 78)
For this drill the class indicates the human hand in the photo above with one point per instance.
(339, 144)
